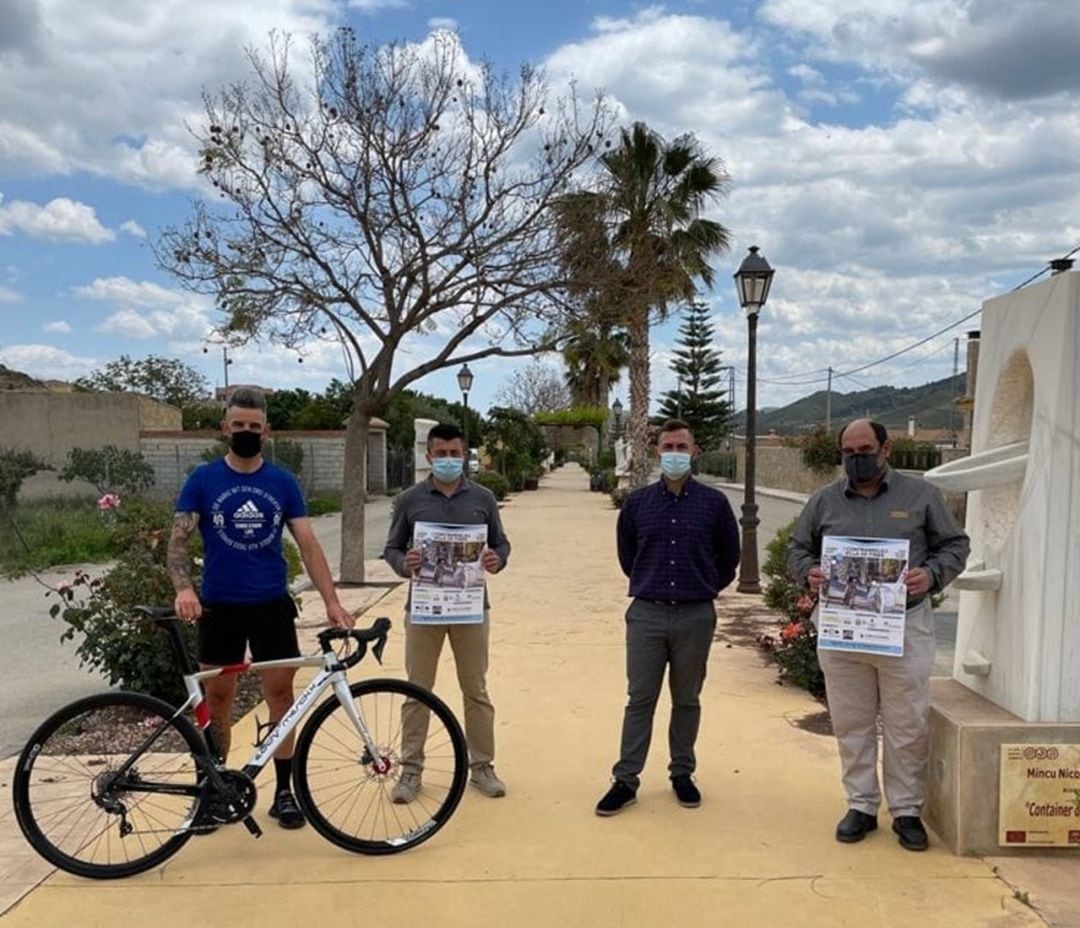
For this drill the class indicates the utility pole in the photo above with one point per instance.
(828, 403)
(952, 405)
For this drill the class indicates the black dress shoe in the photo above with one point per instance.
(855, 826)
(616, 799)
(911, 832)
(686, 792)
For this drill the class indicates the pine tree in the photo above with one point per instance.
(701, 401)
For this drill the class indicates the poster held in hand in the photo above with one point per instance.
(448, 587)
(863, 595)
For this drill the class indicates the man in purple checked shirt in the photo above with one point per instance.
(679, 545)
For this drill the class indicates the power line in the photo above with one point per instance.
(911, 347)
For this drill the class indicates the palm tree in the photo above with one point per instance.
(595, 353)
(638, 239)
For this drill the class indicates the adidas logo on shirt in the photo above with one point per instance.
(248, 511)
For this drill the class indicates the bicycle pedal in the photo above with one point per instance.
(253, 826)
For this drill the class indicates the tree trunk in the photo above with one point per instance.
(637, 426)
(354, 496)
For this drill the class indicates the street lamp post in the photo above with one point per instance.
(465, 379)
(616, 419)
(753, 280)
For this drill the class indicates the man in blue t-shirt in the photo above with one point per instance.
(241, 504)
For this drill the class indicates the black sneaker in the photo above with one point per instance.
(616, 799)
(286, 811)
(685, 792)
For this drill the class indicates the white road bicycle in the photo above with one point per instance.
(115, 784)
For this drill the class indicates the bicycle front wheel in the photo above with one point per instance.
(393, 801)
(96, 799)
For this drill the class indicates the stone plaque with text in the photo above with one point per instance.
(1039, 795)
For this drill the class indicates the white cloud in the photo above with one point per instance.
(111, 88)
(373, 6)
(996, 47)
(59, 328)
(7, 295)
(46, 362)
(133, 229)
(59, 220)
(148, 310)
(442, 22)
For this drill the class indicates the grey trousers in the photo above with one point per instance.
(859, 686)
(423, 645)
(676, 637)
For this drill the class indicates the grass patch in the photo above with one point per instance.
(53, 532)
(324, 503)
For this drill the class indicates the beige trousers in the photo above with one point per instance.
(859, 686)
(423, 645)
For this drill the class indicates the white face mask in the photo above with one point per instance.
(675, 464)
(447, 469)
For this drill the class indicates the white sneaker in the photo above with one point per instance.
(484, 779)
(407, 788)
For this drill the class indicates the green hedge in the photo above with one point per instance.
(494, 481)
(596, 416)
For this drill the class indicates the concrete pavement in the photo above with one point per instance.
(759, 852)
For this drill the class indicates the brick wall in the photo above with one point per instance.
(174, 454)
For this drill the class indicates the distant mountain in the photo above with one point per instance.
(931, 404)
(17, 380)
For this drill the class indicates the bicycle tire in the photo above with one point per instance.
(347, 800)
(69, 757)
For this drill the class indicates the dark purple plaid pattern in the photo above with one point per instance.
(677, 548)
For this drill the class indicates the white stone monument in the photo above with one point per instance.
(422, 469)
(1018, 636)
(1016, 676)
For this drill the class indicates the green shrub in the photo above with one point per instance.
(15, 467)
(820, 452)
(109, 469)
(131, 653)
(494, 481)
(618, 496)
(795, 646)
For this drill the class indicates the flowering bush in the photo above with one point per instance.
(108, 501)
(795, 646)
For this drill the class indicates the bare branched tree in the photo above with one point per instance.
(536, 388)
(396, 200)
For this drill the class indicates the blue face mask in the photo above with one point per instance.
(447, 469)
(675, 464)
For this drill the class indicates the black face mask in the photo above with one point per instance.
(862, 468)
(245, 444)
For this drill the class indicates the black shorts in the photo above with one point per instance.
(226, 630)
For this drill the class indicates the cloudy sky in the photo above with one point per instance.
(897, 161)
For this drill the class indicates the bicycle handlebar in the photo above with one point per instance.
(377, 633)
(166, 618)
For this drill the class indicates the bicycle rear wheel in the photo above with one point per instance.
(83, 811)
(348, 796)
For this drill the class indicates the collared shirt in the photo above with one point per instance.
(469, 504)
(677, 548)
(903, 507)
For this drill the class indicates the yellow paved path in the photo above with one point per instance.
(759, 851)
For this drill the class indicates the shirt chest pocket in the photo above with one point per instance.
(900, 522)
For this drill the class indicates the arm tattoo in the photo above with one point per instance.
(177, 556)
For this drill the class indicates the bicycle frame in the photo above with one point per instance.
(332, 675)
